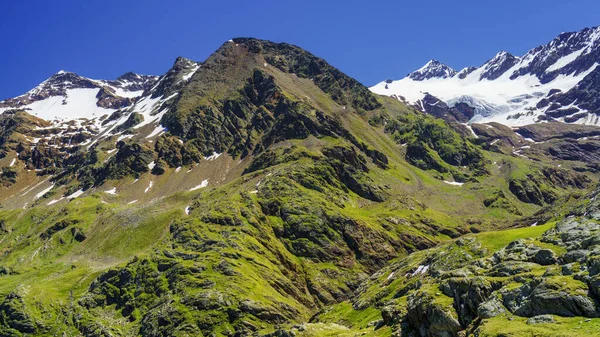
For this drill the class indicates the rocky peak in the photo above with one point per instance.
(498, 65)
(433, 69)
(131, 81)
(179, 74)
(568, 54)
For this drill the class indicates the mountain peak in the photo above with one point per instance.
(498, 65)
(182, 62)
(432, 69)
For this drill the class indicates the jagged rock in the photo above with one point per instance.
(429, 319)
(520, 251)
(78, 234)
(572, 233)
(594, 265)
(544, 257)
(490, 308)
(468, 294)
(13, 316)
(574, 256)
(533, 299)
(511, 268)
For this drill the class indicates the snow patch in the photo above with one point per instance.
(112, 191)
(191, 73)
(41, 194)
(149, 186)
(75, 195)
(420, 270)
(453, 183)
(157, 131)
(565, 60)
(52, 202)
(202, 185)
(78, 103)
(213, 156)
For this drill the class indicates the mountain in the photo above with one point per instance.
(554, 82)
(433, 69)
(263, 192)
(67, 96)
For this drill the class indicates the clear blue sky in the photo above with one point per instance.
(369, 40)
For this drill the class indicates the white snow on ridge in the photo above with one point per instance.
(213, 156)
(157, 131)
(52, 202)
(127, 94)
(203, 184)
(75, 195)
(508, 101)
(189, 75)
(453, 183)
(149, 186)
(12, 163)
(147, 106)
(79, 103)
(41, 194)
(565, 60)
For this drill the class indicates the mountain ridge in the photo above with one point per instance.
(544, 84)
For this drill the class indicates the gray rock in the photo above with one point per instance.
(594, 266)
(541, 319)
(574, 256)
(468, 294)
(429, 319)
(511, 268)
(491, 308)
(544, 257)
(535, 298)
(567, 269)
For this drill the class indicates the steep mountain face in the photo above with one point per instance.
(259, 192)
(553, 82)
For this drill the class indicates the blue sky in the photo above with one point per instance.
(369, 40)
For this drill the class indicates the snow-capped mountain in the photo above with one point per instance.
(70, 112)
(557, 81)
(66, 96)
(433, 69)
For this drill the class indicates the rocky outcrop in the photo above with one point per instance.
(14, 321)
(430, 319)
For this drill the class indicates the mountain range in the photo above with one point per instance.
(553, 82)
(263, 192)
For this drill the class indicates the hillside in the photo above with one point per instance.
(264, 192)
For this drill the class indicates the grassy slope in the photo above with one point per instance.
(267, 267)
